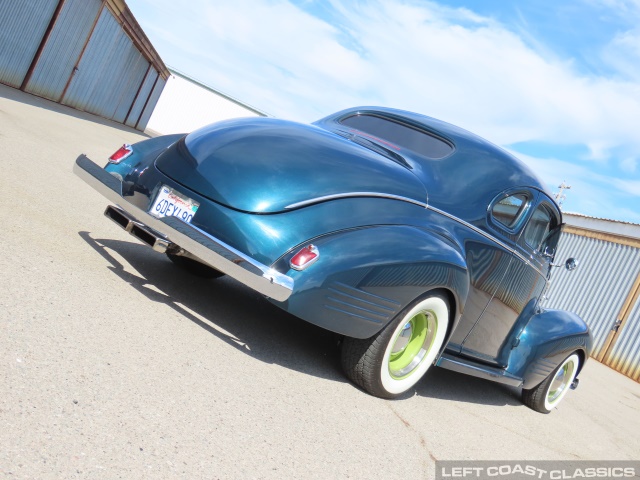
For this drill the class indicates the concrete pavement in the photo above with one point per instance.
(116, 364)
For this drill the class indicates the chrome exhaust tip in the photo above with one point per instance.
(137, 229)
(119, 217)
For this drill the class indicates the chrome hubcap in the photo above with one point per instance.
(412, 344)
(560, 382)
(403, 339)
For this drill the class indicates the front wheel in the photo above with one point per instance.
(548, 394)
(392, 361)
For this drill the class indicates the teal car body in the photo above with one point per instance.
(394, 206)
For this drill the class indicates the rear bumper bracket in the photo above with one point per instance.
(209, 249)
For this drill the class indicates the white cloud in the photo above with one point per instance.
(281, 34)
(421, 56)
(622, 8)
(597, 194)
(623, 53)
(629, 165)
(448, 63)
(481, 75)
(418, 55)
(632, 187)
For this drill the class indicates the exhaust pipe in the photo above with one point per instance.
(140, 231)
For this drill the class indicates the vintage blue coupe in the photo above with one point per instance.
(416, 240)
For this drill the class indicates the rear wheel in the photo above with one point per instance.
(548, 394)
(391, 362)
(194, 267)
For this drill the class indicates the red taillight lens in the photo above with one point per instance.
(123, 152)
(305, 257)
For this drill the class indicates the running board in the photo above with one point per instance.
(478, 370)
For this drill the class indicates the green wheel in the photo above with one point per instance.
(547, 395)
(391, 362)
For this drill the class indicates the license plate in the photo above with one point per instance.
(169, 203)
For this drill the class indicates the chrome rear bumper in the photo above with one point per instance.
(173, 231)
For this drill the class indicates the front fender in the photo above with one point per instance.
(365, 276)
(549, 337)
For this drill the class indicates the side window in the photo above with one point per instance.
(509, 210)
(538, 228)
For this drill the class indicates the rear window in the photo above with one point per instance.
(400, 134)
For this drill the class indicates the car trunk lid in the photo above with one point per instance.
(265, 165)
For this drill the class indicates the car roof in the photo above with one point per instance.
(466, 181)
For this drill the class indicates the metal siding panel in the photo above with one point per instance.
(22, 27)
(625, 354)
(132, 76)
(65, 44)
(101, 99)
(95, 58)
(104, 99)
(597, 289)
(110, 72)
(151, 104)
(143, 95)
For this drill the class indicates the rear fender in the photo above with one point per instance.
(144, 153)
(364, 277)
(549, 337)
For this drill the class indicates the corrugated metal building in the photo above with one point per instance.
(605, 289)
(88, 54)
(187, 104)
(93, 56)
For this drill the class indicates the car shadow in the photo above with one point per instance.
(248, 322)
(17, 95)
(226, 309)
(449, 385)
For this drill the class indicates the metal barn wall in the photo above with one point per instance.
(22, 27)
(624, 355)
(603, 291)
(146, 88)
(88, 54)
(63, 48)
(149, 108)
(109, 74)
(597, 289)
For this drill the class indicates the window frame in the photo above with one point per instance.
(555, 222)
(542, 207)
(401, 123)
(522, 215)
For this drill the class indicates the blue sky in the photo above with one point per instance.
(555, 82)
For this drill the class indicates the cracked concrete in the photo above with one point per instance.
(116, 364)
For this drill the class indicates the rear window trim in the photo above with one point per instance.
(523, 212)
(403, 123)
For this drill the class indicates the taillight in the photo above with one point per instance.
(305, 257)
(123, 152)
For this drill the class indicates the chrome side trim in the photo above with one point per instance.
(477, 370)
(489, 237)
(336, 196)
(215, 252)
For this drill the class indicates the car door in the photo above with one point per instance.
(515, 300)
(489, 256)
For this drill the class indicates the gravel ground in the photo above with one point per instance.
(116, 364)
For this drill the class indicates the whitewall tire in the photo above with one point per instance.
(391, 362)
